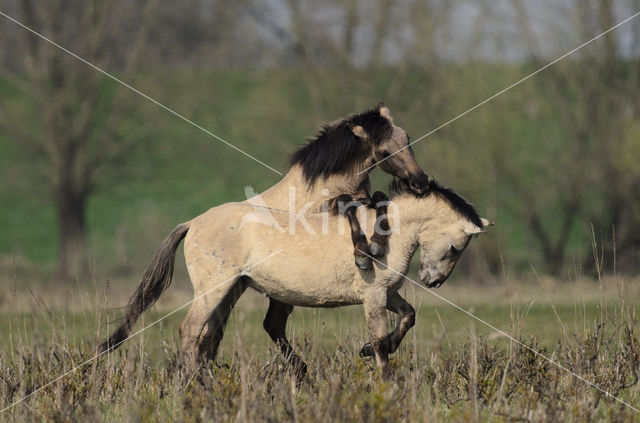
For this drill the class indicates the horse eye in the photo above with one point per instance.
(385, 154)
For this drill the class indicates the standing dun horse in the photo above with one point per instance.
(226, 254)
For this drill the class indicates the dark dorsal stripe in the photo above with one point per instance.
(335, 149)
(459, 204)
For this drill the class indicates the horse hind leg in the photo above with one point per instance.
(217, 322)
(275, 323)
(380, 238)
(191, 330)
(202, 328)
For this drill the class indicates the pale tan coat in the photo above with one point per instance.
(312, 269)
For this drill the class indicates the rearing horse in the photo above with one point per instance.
(333, 169)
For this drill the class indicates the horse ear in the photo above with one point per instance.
(486, 222)
(385, 112)
(472, 229)
(359, 132)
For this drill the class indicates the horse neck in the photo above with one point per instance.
(414, 212)
(406, 219)
(349, 182)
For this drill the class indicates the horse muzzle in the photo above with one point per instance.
(430, 280)
(419, 184)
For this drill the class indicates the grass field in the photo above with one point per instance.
(450, 366)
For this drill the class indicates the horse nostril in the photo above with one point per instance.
(435, 283)
(417, 187)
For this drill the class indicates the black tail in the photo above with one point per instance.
(156, 279)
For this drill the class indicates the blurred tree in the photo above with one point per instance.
(65, 119)
(586, 107)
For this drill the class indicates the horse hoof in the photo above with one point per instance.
(300, 371)
(376, 249)
(364, 262)
(367, 350)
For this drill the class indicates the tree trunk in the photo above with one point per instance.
(554, 242)
(72, 256)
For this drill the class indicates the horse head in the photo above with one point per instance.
(447, 222)
(356, 144)
(390, 147)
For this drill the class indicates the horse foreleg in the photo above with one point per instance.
(275, 323)
(400, 306)
(376, 315)
(347, 207)
(381, 230)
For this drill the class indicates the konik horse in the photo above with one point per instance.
(309, 266)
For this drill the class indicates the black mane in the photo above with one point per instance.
(335, 148)
(459, 204)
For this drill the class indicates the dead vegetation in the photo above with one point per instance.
(474, 379)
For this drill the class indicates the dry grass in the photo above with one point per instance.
(474, 381)
(449, 367)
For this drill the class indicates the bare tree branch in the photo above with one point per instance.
(381, 29)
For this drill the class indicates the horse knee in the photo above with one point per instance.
(343, 202)
(378, 197)
(377, 245)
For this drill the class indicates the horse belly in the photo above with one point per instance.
(306, 283)
(305, 296)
